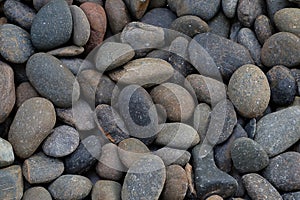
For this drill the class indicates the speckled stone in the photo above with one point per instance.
(270, 128)
(276, 5)
(24, 92)
(201, 119)
(291, 196)
(52, 79)
(40, 168)
(16, 46)
(76, 65)
(263, 28)
(7, 88)
(67, 51)
(144, 179)
(259, 188)
(247, 11)
(70, 187)
(11, 183)
(37, 193)
(33, 122)
(281, 49)
(234, 30)
(249, 91)
(229, 7)
(288, 20)
(172, 156)
(220, 25)
(52, 25)
(284, 171)
(161, 17)
(82, 115)
(38, 4)
(106, 190)
(250, 128)
(6, 153)
(19, 13)
(62, 142)
(137, 8)
(105, 91)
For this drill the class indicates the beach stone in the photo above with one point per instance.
(80, 116)
(259, 188)
(37, 193)
(106, 190)
(131, 150)
(209, 180)
(76, 65)
(117, 15)
(137, 8)
(247, 11)
(176, 184)
(220, 25)
(172, 156)
(214, 197)
(33, 122)
(112, 123)
(62, 142)
(250, 128)
(281, 49)
(283, 85)
(67, 51)
(284, 171)
(112, 55)
(70, 187)
(161, 17)
(276, 5)
(288, 20)
(201, 119)
(227, 55)
(85, 156)
(52, 25)
(144, 179)
(42, 169)
(24, 92)
(234, 30)
(291, 196)
(272, 139)
(19, 13)
(16, 46)
(229, 7)
(7, 88)
(11, 183)
(38, 4)
(66, 88)
(263, 28)
(105, 91)
(6, 153)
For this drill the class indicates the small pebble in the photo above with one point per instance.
(276, 5)
(201, 119)
(37, 193)
(67, 51)
(288, 20)
(137, 8)
(161, 17)
(247, 11)
(229, 7)
(6, 153)
(11, 183)
(106, 190)
(76, 65)
(24, 92)
(105, 91)
(220, 25)
(82, 116)
(263, 28)
(172, 156)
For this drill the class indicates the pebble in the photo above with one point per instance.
(117, 15)
(70, 187)
(250, 128)
(259, 188)
(161, 17)
(11, 183)
(24, 92)
(67, 51)
(62, 142)
(82, 116)
(43, 70)
(158, 3)
(284, 171)
(144, 179)
(137, 8)
(38, 4)
(37, 193)
(220, 25)
(201, 119)
(42, 169)
(214, 197)
(106, 190)
(227, 54)
(229, 7)
(52, 25)
(16, 46)
(276, 5)
(234, 30)
(81, 26)
(274, 142)
(85, 156)
(76, 65)
(105, 91)
(112, 55)
(33, 122)
(248, 11)
(177, 135)
(291, 196)
(281, 49)
(7, 88)
(249, 91)
(131, 150)
(19, 13)
(283, 85)
(176, 184)
(172, 156)
(287, 20)
(263, 28)
(296, 75)
(209, 180)
(6, 153)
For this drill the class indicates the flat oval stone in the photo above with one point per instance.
(137, 8)
(7, 88)
(147, 172)
(177, 101)
(247, 11)
(52, 25)
(67, 51)
(274, 6)
(37, 193)
(33, 122)
(62, 142)
(81, 26)
(70, 187)
(161, 17)
(43, 70)
(172, 156)
(288, 20)
(11, 183)
(16, 46)
(283, 121)
(24, 92)
(42, 169)
(284, 171)
(281, 49)
(263, 28)
(106, 190)
(82, 115)
(229, 7)
(19, 13)
(6, 153)
(249, 91)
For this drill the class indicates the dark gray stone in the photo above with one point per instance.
(291, 196)
(106, 90)
(275, 5)
(220, 25)
(288, 20)
(81, 26)
(229, 7)
(106, 190)
(172, 156)
(296, 75)
(36, 193)
(263, 28)
(161, 17)
(67, 51)
(250, 128)
(11, 183)
(247, 11)
(76, 65)
(6, 153)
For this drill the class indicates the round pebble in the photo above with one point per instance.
(106, 190)
(67, 51)
(37, 193)
(6, 153)
(247, 11)
(288, 20)
(161, 17)
(172, 156)
(263, 28)
(24, 92)
(11, 183)
(137, 8)
(229, 7)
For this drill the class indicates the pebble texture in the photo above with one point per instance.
(106, 190)
(37, 193)
(288, 20)
(161, 17)
(24, 92)
(263, 28)
(137, 8)
(229, 7)
(172, 156)
(11, 183)
(6, 153)
(247, 11)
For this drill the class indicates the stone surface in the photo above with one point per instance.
(105, 91)
(52, 79)
(288, 20)
(70, 187)
(11, 183)
(106, 190)
(172, 156)
(24, 92)
(201, 119)
(37, 193)
(270, 128)
(229, 7)
(161, 17)
(81, 26)
(67, 51)
(220, 25)
(276, 5)
(291, 196)
(247, 11)
(76, 65)
(38, 4)
(82, 115)
(137, 8)
(6, 153)
(263, 28)
(33, 122)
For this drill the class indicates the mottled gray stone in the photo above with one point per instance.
(106, 190)
(37, 193)
(6, 153)
(172, 156)
(291, 196)
(263, 28)
(81, 26)
(247, 11)
(161, 17)
(288, 20)
(11, 183)
(220, 25)
(201, 119)
(229, 7)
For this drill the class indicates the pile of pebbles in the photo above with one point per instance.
(150, 99)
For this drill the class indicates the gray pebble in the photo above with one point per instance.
(81, 26)
(6, 153)
(229, 7)
(106, 190)
(37, 193)
(220, 25)
(172, 156)
(11, 183)
(247, 11)
(161, 17)
(263, 28)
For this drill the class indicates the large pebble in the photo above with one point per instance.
(172, 156)
(106, 190)
(249, 91)
(11, 183)
(288, 20)
(37, 193)
(6, 153)
(263, 28)
(247, 11)
(137, 8)
(229, 7)
(52, 79)
(270, 128)
(52, 25)
(24, 92)
(144, 179)
(161, 17)
(276, 5)
(33, 122)
(16, 46)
